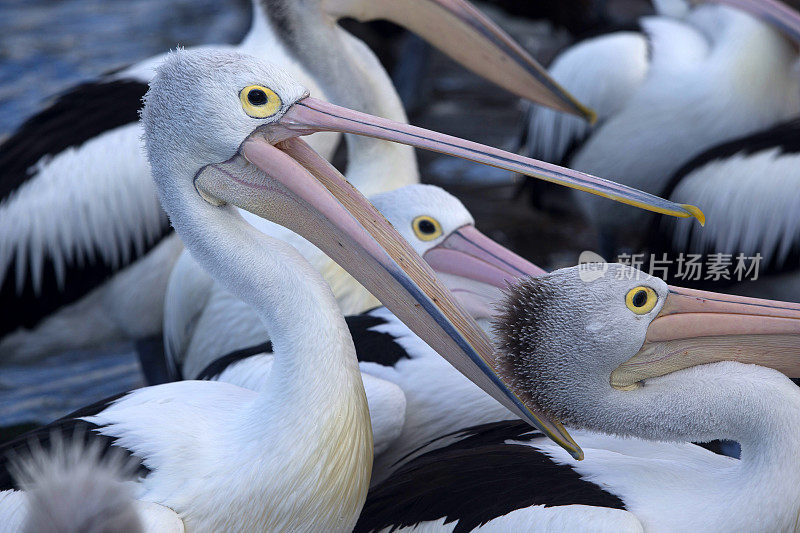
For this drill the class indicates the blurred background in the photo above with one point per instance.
(48, 46)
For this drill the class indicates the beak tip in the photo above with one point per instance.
(589, 114)
(561, 436)
(696, 213)
(572, 447)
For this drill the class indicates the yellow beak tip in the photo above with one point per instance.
(590, 115)
(577, 454)
(696, 213)
(562, 437)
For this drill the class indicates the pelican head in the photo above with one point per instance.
(440, 229)
(221, 130)
(586, 344)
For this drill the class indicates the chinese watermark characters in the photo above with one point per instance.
(686, 267)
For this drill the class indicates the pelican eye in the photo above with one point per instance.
(641, 300)
(426, 228)
(259, 101)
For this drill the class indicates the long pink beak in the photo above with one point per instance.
(475, 268)
(461, 31)
(310, 115)
(469, 253)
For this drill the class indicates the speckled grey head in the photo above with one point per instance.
(626, 354)
(563, 336)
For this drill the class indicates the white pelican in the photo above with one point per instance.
(667, 94)
(645, 369)
(74, 487)
(101, 251)
(297, 454)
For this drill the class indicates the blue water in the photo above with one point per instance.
(48, 45)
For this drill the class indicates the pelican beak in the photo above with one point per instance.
(465, 34)
(290, 184)
(310, 115)
(697, 327)
(476, 269)
(773, 12)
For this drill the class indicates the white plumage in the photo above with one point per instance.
(700, 68)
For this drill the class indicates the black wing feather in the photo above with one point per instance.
(78, 115)
(476, 480)
(83, 112)
(373, 346)
(785, 137)
(27, 307)
(219, 365)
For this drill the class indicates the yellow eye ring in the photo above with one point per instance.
(426, 228)
(641, 300)
(259, 101)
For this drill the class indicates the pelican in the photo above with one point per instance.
(643, 369)
(297, 454)
(74, 488)
(763, 168)
(101, 251)
(665, 95)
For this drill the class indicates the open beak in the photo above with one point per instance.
(773, 12)
(465, 34)
(292, 185)
(476, 269)
(697, 327)
(310, 115)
